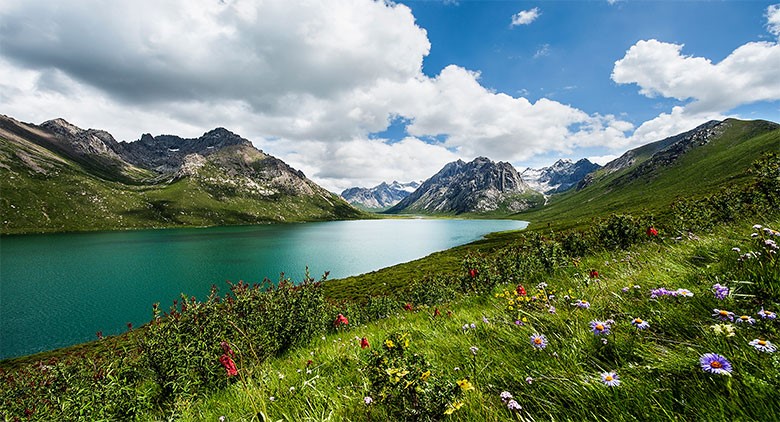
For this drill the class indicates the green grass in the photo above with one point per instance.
(658, 368)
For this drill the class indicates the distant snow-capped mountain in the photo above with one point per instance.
(559, 177)
(381, 196)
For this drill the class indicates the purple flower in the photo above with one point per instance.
(368, 400)
(723, 315)
(610, 379)
(765, 346)
(624, 289)
(551, 309)
(506, 396)
(582, 304)
(529, 380)
(661, 291)
(513, 405)
(640, 324)
(746, 319)
(599, 327)
(766, 314)
(485, 320)
(721, 292)
(539, 341)
(715, 364)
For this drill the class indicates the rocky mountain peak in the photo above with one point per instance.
(563, 175)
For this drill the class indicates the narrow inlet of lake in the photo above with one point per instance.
(60, 289)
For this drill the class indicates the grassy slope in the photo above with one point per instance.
(658, 368)
(702, 170)
(65, 196)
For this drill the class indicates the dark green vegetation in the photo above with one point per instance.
(51, 183)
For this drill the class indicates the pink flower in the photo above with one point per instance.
(229, 365)
(341, 320)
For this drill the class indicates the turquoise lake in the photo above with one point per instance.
(60, 289)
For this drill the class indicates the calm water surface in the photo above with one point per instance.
(58, 290)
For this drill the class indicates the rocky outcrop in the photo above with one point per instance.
(478, 186)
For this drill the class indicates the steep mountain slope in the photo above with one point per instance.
(476, 187)
(379, 197)
(689, 165)
(58, 177)
(560, 177)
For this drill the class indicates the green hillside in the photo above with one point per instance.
(722, 161)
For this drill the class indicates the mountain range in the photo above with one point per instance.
(381, 196)
(59, 177)
(559, 177)
(476, 187)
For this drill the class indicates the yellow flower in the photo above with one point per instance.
(457, 404)
(525, 319)
(425, 375)
(389, 344)
(511, 308)
(465, 385)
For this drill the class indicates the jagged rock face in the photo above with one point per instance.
(381, 196)
(166, 153)
(560, 177)
(479, 186)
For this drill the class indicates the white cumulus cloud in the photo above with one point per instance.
(525, 17)
(773, 19)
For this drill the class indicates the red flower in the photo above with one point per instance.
(364, 343)
(521, 290)
(408, 306)
(229, 365)
(309, 362)
(651, 231)
(436, 312)
(341, 320)
(594, 274)
(129, 325)
(473, 273)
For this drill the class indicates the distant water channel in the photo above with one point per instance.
(60, 289)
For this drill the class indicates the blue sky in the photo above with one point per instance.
(356, 92)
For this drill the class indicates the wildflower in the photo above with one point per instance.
(582, 304)
(506, 396)
(551, 309)
(425, 375)
(723, 315)
(746, 319)
(637, 287)
(661, 291)
(457, 404)
(520, 290)
(610, 379)
(472, 326)
(651, 231)
(624, 289)
(340, 320)
(436, 312)
(640, 324)
(465, 384)
(684, 292)
(474, 350)
(599, 327)
(229, 365)
(513, 405)
(221, 419)
(292, 389)
(473, 273)
(541, 286)
(129, 325)
(715, 364)
(367, 400)
(99, 335)
(724, 329)
(529, 380)
(737, 250)
(389, 344)
(763, 346)
(539, 341)
(456, 369)
(272, 398)
(408, 307)
(485, 320)
(594, 274)
(721, 292)
(518, 322)
(757, 226)
(364, 343)
(766, 314)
